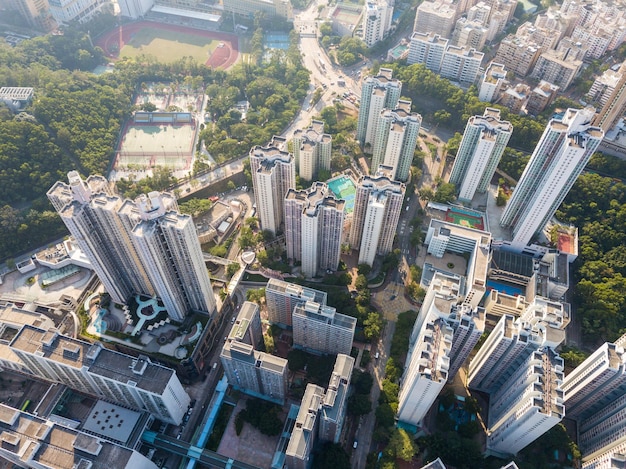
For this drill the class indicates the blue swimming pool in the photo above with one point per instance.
(343, 188)
(505, 288)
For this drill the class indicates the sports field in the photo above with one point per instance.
(168, 43)
(145, 145)
(464, 219)
(169, 46)
(343, 188)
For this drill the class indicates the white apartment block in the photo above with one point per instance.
(613, 110)
(427, 49)
(604, 86)
(479, 13)
(595, 382)
(32, 442)
(469, 34)
(314, 228)
(468, 325)
(377, 208)
(443, 236)
(376, 21)
(304, 434)
(247, 326)
(484, 141)
(396, 139)
(528, 404)
(273, 174)
(491, 84)
(136, 247)
(426, 371)
(557, 67)
(282, 297)
(333, 410)
(377, 93)
(559, 157)
(498, 358)
(442, 301)
(461, 65)
(321, 329)
(92, 369)
(255, 373)
(604, 429)
(436, 17)
(66, 11)
(312, 150)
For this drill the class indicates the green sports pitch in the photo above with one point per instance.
(169, 46)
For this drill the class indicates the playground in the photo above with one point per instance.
(168, 43)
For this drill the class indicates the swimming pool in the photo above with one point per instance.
(343, 188)
(505, 288)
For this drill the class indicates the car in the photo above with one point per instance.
(355, 444)
(377, 356)
(192, 403)
(232, 320)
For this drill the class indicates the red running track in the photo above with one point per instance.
(222, 57)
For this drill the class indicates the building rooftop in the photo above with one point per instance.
(303, 435)
(33, 439)
(78, 354)
(280, 286)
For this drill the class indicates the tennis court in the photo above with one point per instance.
(149, 145)
(343, 188)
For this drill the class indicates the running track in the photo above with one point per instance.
(222, 57)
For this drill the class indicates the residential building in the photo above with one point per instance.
(615, 106)
(427, 49)
(603, 86)
(396, 139)
(377, 92)
(604, 429)
(596, 382)
(528, 404)
(314, 228)
(444, 299)
(333, 409)
(312, 150)
(483, 143)
(92, 369)
(270, 8)
(273, 174)
(426, 371)
(510, 342)
(461, 65)
(518, 55)
(515, 98)
(480, 12)
(136, 247)
(282, 297)
(559, 157)
(321, 329)
(36, 13)
(376, 21)
(247, 325)
(436, 17)
(258, 374)
(491, 84)
(377, 207)
(304, 434)
(541, 97)
(33, 442)
(66, 11)
(469, 34)
(557, 67)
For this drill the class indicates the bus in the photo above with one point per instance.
(25, 406)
